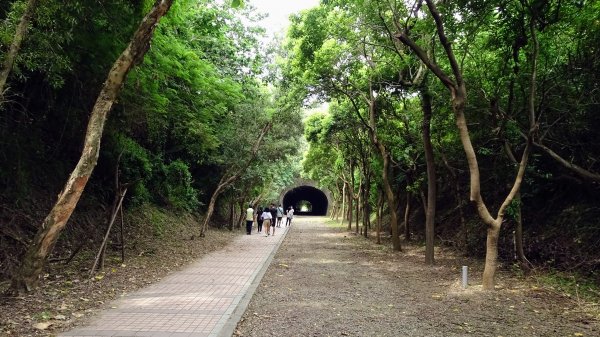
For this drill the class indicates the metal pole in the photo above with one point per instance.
(464, 277)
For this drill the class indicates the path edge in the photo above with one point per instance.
(226, 326)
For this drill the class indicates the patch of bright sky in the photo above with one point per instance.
(277, 21)
(278, 12)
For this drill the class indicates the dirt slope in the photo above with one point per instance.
(326, 282)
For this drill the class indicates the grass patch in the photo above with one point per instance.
(572, 285)
(335, 223)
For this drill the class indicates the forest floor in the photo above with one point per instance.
(325, 281)
(68, 297)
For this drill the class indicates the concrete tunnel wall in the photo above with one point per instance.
(306, 190)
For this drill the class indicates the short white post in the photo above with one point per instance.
(464, 277)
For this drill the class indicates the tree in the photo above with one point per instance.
(33, 262)
(431, 180)
(11, 55)
(458, 92)
(230, 176)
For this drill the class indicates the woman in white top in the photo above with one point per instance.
(290, 216)
(267, 217)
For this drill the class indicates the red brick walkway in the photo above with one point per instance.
(206, 299)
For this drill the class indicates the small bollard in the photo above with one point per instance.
(464, 277)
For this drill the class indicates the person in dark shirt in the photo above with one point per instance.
(273, 211)
(259, 219)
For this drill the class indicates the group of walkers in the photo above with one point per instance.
(269, 217)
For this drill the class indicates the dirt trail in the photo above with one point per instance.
(327, 282)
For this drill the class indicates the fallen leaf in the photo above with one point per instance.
(42, 326)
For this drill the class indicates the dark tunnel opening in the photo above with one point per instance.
(306, 200)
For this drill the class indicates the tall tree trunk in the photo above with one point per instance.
(241, 213)
(387, 185)
(379, 215)
(351, 196)
(406, 218)
(211, 205)
(366, 201)
(519, 248)
(391, 201)
(366, 211)
(338, 202)
(519, 251)
(43, 243)
(343, 202)
(431, 179)
(358, 200)
(231, 212)
(11, 55)
(349, 211)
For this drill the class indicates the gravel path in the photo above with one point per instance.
(325, 281)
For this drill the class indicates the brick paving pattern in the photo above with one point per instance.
(195, 302)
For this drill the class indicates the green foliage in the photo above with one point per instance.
(135, 162)
(237, 3)
(177, 186)
(139, 194)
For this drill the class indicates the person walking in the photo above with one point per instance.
(259, 219)
(289, 216)
(279, 215)
(249, 219)
(267, 217)
(273, 211)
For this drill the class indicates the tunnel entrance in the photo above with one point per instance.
(306, 200)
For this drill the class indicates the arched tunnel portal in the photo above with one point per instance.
(306, 200)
